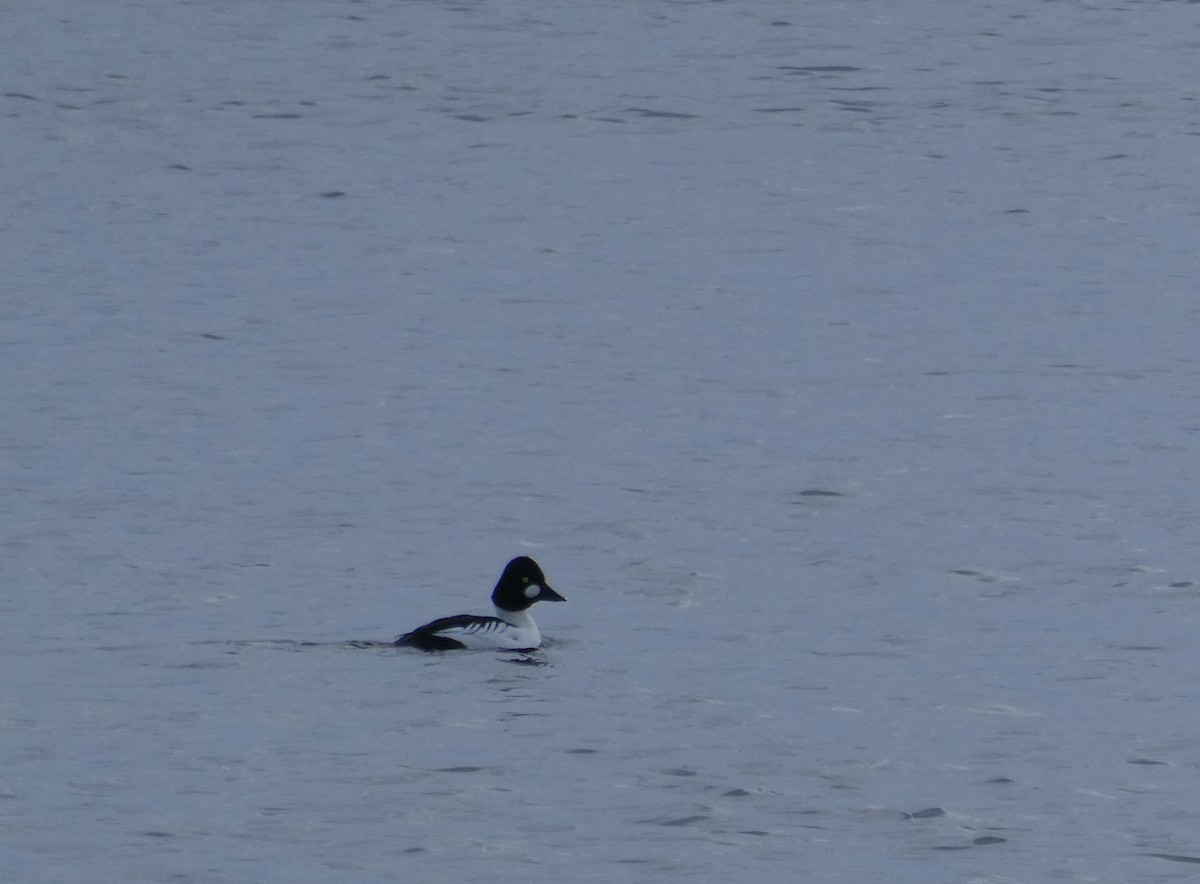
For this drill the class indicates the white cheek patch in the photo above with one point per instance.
(532, 591)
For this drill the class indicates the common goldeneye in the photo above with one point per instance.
(512, 629)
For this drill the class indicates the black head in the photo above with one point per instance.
(522, 584)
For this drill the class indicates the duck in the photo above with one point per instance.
(521, 586)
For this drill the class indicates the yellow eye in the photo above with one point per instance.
(524, 579)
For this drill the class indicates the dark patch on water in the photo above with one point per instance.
(206, 664)
(527, 660)
(659, 114)
(818, 68)
(1140, 648)
(861, 107)
(680, 772)
(926, 814)
(1175, 857)
(978, 575)
(981, 841)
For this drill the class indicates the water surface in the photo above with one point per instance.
(837, 363)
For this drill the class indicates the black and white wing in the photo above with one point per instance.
(459, 632)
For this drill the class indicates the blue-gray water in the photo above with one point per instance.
(837, 361)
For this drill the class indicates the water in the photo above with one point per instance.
(837, 362)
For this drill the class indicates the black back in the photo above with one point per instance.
(427, 638)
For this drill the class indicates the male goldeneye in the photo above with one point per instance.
(512, 629)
